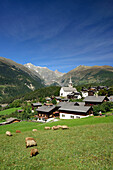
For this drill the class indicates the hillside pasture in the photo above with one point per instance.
(82, 146)
(25, 126)
(9, 111)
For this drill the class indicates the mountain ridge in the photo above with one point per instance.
(88, 74)
(80, 75)
(15, 79)
(46, 74)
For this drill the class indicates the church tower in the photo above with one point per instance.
(70, 82)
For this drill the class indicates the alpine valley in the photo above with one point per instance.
(17, 79)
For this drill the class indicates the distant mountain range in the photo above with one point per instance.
(47, 75)
(80, 75)
(17, 79)
(89, 75)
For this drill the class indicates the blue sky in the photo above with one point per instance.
(58, 34)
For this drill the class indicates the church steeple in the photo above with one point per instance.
(70, 82)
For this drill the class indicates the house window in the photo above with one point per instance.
(77, 117)
(72, 117)
(39, 118)
(61, 94)
(63, 115)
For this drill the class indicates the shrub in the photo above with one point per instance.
(104, 107)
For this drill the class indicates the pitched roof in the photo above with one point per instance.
(70, 104)
(94, 99)
(11, 119)
(36, 104)
(45, 109)
(69, 89)
(82, 109)
(58, 98)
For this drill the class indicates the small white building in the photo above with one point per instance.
(84, 93)
(64, 91)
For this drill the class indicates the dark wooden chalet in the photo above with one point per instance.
(95, 100)
(36, 105)
(102, 87)
(73, 95)
(64, 100)
(91, 93)
(10, 120)
(58, 99)
(46, 111)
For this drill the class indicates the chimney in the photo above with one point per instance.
(96, 95)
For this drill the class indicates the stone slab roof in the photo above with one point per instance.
(70, 104)
(94, 99)
(46, 108)
(36, 104)
(69, 89)
(82, 109)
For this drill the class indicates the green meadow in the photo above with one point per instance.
(9, 111)
(87, 144)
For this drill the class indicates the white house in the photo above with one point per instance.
(64, 91)
(84, 93)
(74, 112)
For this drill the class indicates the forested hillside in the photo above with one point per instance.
(15, 81)
(43, 92)
(81, 75)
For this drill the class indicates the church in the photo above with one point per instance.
(64, 91)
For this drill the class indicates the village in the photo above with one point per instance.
(70, 104)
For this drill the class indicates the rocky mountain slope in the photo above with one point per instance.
(15, 79)
(49, 76)
(87, 75)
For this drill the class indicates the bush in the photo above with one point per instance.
(54, 101)
(16, 103)
(104, 107)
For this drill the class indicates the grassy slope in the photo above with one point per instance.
(9, 111)
(100, 75)
(28, 126)
(80, 147)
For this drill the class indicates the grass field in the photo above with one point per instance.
(87, 144)
(28, 126)
(9, 111)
